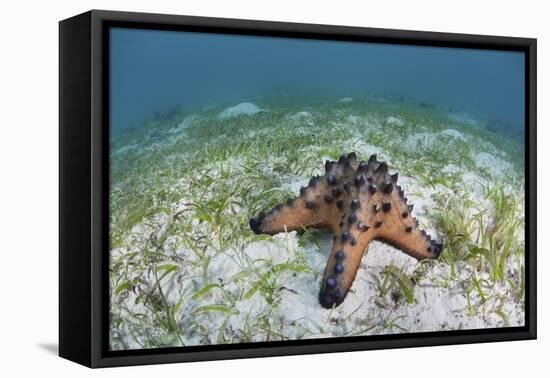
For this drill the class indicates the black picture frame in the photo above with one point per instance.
(83, 181)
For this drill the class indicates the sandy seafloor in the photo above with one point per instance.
(186, 269)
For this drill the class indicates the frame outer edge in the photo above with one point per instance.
(532, 169)
(99, 199)
(75, 332)
(430, 38)
(100, 357)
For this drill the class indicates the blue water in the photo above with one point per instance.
(152, 71)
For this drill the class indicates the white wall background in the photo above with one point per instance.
(28, 185)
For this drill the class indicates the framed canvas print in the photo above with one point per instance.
(234, 188)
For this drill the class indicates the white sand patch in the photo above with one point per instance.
(418, 195)
(362, 147)
(353, 119)
(155, 147)
(425, 141)
(454, 134)
(451, 168)
(395, 121)
(361, 124)
(242, 109)
(420, 141)
(469, 180)
(301, 115)
(271, 250)
(125, 149)
(295, 185)
(474, 183)
(345, 99)
(221, 267)
(495, 165)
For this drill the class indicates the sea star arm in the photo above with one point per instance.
(296, 214)
(318, 204)
(343, 263)
(397, 226)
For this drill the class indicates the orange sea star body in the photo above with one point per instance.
(357, 202)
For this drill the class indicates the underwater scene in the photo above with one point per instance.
(273, 189)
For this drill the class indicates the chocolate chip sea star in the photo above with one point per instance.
(357, 202)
